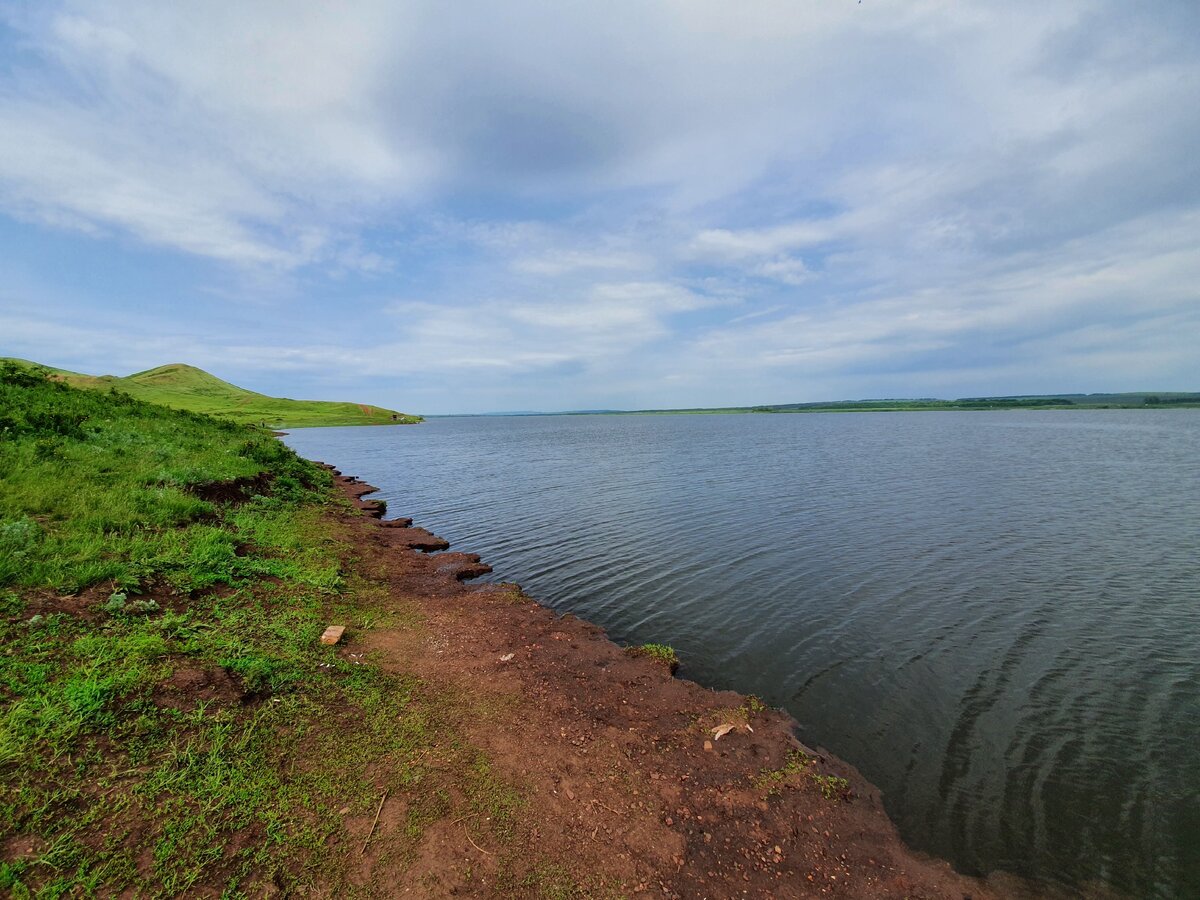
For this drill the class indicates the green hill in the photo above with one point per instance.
(181, 386)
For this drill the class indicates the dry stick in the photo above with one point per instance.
(468, 833)
(609, 808)
(373, 824)
(475, 845)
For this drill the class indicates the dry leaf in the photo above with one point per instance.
(507, 656)
(721, 730)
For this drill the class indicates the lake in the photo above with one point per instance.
(994, 615)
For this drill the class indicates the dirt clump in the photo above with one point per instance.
(233, 491)
(187, 689)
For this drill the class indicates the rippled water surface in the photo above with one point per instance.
(994, 615)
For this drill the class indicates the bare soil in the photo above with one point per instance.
(624, 779)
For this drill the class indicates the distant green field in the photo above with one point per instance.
(186, 387)
(1133, 400)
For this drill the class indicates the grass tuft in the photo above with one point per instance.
(660, 653)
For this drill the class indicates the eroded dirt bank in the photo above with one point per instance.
(624, 779)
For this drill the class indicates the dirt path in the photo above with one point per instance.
(625, 787)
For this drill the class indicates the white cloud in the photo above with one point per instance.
(635, 193)
(723, 244)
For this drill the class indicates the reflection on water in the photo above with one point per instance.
(994, 615)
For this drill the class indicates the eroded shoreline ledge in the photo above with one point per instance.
(638, 780)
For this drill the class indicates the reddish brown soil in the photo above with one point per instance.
(626, 785)
(236, 490)
(187, 689)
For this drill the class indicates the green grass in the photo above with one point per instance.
(660, 653)
(796, 770)
(774, 780)
(186, 387)
(116, 580)
(832, 786)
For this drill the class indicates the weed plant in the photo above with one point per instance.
(120, 586)
(663, 654)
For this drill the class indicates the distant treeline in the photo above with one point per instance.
(994, 402)
(1076, 401)
(965, 403)
(1154, 400)
(1130, 400)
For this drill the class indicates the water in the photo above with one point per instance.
(994, 615)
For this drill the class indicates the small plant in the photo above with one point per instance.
(119, 604)
(142, 607)
(17, 534)
(17, 539)
(660, 653)
(515, 595)
(115, 603)
(753, 705)
(773, 780)
(833, 787)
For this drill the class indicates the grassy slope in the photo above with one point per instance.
(116, 577)
(186, 387)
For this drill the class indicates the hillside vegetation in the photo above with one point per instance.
(181, 386)
(169, 722)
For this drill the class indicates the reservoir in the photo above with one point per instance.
(994, 615)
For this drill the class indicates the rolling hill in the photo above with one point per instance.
(185, 387)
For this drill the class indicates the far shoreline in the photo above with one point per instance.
(861, 406)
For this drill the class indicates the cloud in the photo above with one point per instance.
(1133, 306)
(597, 329)
(727, 245)
(668, 201)
(225, 136)
(561, 262)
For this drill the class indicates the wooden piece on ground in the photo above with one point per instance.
(373, 824)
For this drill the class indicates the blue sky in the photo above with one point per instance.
(492, 206)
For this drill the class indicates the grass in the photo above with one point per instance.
(660, 653)
(796, 770)
(774, 780)
(120, 584)
(185, 387)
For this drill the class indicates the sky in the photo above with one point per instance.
(469, 207)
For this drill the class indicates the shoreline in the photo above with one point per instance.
(729, 801)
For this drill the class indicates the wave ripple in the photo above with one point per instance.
(996, 616)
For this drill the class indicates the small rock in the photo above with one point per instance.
(333, 634)
(343, 810)
(708, 745)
